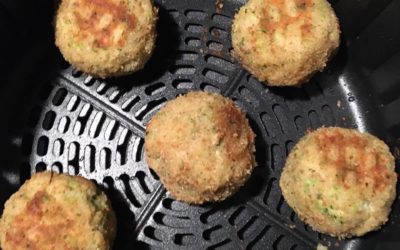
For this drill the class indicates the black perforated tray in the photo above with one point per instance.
(57, 118)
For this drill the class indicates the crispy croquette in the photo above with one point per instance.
(284, 42)
(106, 37)
(56, 211)
(201, 146)
(340, 181)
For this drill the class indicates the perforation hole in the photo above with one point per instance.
(196, 14)
(182, 84)
(73, 103)
(138, 149)
(105, 158)
(155, 89)
(276, 242)
(279, 206)
(193, 42)
(73, 155)
(122, 146)
(183, 70)
(258, 238)
(171, 204)
(128, 104)
(300, 123)
(289, 146)
(174, 13)
(222, 20)
(58, 147)
(282, 118)
(194, 28)
(207, 234)
(108, 183)
(115, 96)
(141, 176)
(154, 175)
(183, 239)
(90, 158)
(187, 55)
(128, 190)
(218, 33)
(89, 80)
(270, 187)
(59, 97)
(327, 115)
(82, 120)
(313, 117)
(111, 130)
(215, 76)
(241, 232)
(220, 62)
(158, 218)
(42, 146)
(149, 108)
(276, 156)
(292, 216)
(268, 124)
(233, 219)
(76, 73)
(63, 124)
(206, 216)
(48, 120)
(213, 45)
(150, 232)
(57, 167)
(40, 167)
(97, 125)
(72, 170)
(209, 88)
(102, 88)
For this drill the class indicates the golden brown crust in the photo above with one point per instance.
(52, 211)
(351, 160)
(340, 181)
(208, 154)
(284, 42)
(88, 25)
(106, 37)
(272, 25)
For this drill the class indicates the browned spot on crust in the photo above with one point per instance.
(40, 225)
(231, 124)
(304, 13)
(347, 169)
(34, 207)
(99, 8)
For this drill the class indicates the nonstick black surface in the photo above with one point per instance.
(54, 117)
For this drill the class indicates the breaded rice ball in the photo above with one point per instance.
(201, 146)
(106, 37)
(56, 211)
(284, 42)
(340, 181)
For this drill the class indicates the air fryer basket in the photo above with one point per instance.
(54, 117)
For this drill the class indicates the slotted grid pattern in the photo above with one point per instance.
(95, 128)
